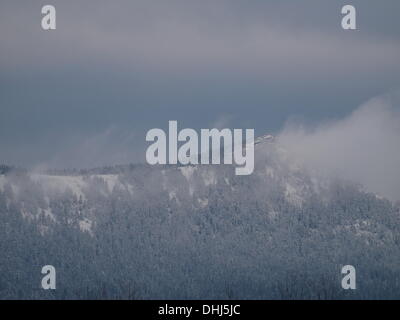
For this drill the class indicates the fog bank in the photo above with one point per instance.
(363, 147)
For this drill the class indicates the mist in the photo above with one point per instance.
(363, 147)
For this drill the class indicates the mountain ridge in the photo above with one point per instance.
(197, 232)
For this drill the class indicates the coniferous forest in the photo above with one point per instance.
(195, 232)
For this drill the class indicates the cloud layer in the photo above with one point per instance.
(135, 65)
(363, 147)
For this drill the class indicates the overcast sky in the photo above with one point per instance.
(85, 94)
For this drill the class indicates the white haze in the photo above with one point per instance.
(363, 147)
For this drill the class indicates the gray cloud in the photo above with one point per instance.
(363, 147)
(134, 65)
(186, 36)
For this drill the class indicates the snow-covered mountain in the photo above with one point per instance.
(196, 232)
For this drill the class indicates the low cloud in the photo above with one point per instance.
(363, 147)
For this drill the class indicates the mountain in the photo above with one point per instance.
(179, 232)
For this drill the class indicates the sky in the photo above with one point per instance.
(85, 94)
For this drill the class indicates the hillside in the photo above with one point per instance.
(196, 232)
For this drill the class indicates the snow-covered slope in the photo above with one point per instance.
(186, 186)
(200, 231)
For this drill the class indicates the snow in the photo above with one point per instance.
(203, 202)
(43, 229)
(26, 214)
(130, 188)
(49, 214)
(61, 184)
(172, 195)
(110, 179)
(77, 184)
(292, 195)
(263, 139)
(188, 171)
(209, 178)
(269, 171)
(364, 229)
(85, 225)
(3, 182)
(272, 214)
